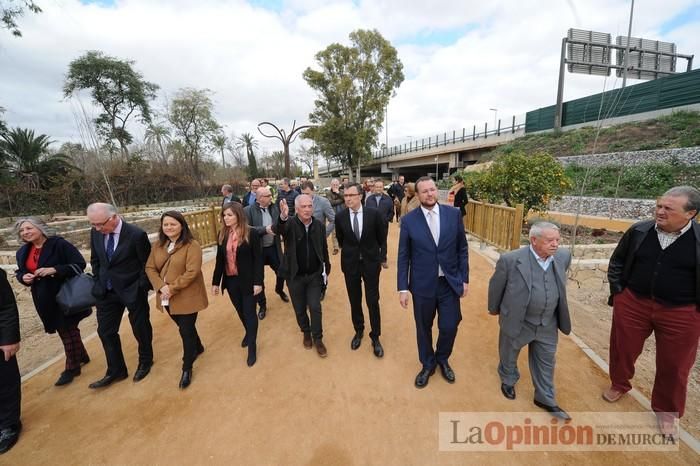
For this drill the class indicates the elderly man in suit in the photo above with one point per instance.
(118, 255)
(433, 266)
(251, 196)
(383, 203)
(528, 293)
(654, 277)
(10, 382)
(228, 196)
(261, 217)
(361, 239)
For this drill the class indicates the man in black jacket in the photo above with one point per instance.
(305, 256)
(654, 277)
(261, 217)
(383, 203)
(10, 382)
(362, 237)
(118, 254)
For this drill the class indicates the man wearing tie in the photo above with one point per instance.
(361, 235)
(433, 266)
(383, 203)
(118, 254)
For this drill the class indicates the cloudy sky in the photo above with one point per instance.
(461, 58)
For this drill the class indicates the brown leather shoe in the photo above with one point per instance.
(611, 395)
(307, 340)
(321, 348)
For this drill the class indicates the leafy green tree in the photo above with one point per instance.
(28, 159)
(115, 87)
(248, 142)
(517, 178)
(158, 134)
(191, 115)
(353, 86)
(10, 10)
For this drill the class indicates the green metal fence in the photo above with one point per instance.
(671, 91)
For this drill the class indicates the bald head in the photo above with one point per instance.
(264, 196)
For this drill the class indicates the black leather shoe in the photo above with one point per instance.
(508, 391)
(356, 341)
(85, 359)
(447, 372)
(108, 380)
(142, 371)
(186, 379)
(9, 436)
(423, 376)
(555, 411)
(252, 356)
(283, 296)
(67, 377)
(244, 341)
(377, 348)
(262, 312)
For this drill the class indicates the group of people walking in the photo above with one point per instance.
(654, 278)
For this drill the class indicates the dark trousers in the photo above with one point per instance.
(109, 316)
(73, 346)
(369, 274)
(305, 292)
(676, 331)
(190, 338)
(10, 392)
(271, 258)
(446, 303)
(244, 303)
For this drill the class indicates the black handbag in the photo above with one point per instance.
(75, 295)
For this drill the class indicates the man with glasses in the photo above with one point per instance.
(251, 196)
(118, 254)
(261, 216)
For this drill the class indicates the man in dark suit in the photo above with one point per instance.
(118, 254)
(305, 256)
(251, 196)
(261, 217)
(383, 203)
(361, 235)
(10, 382)
(528, 293)
(433, 266)
(228, 196)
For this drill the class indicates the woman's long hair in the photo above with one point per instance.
(38, 223)
(242, 222)
(186, 236)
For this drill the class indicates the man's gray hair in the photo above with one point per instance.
(228, 188)
(109, 209)
(38, 223)
(538, 228)
(299, 198)
(692, 193)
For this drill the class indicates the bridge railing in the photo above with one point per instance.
(495, 224)
(448, 138)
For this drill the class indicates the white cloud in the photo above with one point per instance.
(253, 58)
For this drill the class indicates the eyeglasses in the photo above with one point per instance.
(101, 225)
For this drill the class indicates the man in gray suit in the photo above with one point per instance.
(528, 293)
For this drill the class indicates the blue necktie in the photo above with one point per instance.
(110, 253)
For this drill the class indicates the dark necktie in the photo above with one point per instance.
(110, 253)
(356, 226)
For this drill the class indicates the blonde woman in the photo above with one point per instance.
(174, 268)
(239, 270)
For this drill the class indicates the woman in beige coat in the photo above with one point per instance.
(174, 268)
(410, 200)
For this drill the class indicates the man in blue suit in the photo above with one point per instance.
(433, 266)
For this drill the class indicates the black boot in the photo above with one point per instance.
(186, 379)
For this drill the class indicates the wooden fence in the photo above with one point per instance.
(204, 225)
(495, 224)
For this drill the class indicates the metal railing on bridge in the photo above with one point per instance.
(446, 138)
(495, 224)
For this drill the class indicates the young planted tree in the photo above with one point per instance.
(353, 86)
(115, 87)
(191, 115)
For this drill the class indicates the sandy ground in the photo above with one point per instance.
(293, 407)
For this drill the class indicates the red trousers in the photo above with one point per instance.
(676, 331)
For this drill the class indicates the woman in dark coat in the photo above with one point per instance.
(239, 270)
(44, 262)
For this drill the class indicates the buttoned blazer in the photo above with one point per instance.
(370, 244)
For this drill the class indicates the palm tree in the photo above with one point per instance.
(248, 141)
(220, 142)
(158, 134)
(28, 158)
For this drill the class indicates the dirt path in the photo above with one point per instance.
(293, 407)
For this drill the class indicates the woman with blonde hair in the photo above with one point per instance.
(174, 268)
(239, 270)
(410, 200)
(44, 262)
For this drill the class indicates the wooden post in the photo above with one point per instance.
(517, 227)
(212, 226)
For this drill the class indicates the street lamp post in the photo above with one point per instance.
(495, 117)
